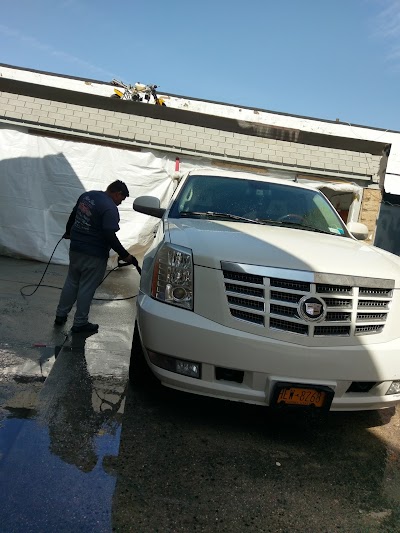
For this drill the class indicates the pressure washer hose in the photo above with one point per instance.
(120, 264)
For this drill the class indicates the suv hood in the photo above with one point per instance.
(214, 241)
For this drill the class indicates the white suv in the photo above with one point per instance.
(254, 290)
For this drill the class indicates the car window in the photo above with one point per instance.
(201, 196)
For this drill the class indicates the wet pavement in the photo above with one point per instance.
(61, 400)
(81, 450)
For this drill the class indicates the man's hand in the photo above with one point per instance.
(131, 260)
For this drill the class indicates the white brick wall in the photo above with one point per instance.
(156, 133)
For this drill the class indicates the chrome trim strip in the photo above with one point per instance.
(310, 277)
(268, 272)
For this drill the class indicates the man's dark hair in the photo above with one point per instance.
(118, 186)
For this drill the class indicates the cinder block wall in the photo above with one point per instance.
(369, 212)
(156, 133)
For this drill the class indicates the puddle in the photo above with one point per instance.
(52, 480)
(57, 442)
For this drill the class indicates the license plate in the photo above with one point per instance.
(301, 395)
(296, 396)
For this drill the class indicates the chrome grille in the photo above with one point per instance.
(272, 302)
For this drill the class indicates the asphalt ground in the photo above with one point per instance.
(82, 450)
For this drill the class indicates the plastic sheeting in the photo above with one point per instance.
(334, 186)
(42, 178)
(392, 183)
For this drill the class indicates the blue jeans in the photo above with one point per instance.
(85, 274)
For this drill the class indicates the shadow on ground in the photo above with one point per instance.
(189, 463)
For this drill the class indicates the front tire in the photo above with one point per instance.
(139, 371)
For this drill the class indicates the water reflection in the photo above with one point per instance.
(51, 465)
(82, 409)
(74, 423)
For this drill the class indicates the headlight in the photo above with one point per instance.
(173, 276)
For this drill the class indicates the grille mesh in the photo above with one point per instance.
(337, 302)
(273, 303)
(240, 289)
(244, 302)
(364, 291)
(285, 297)
(338, 317)
(289, 284)
(249, 317)
(283, 310)
(374, 303)
(293, 327)
(336, 289)
(332, 331)
(247, 278)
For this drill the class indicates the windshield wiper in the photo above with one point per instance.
(269, 221)
(220, 215)
(263, 221)
(298, 225)
(192, 213)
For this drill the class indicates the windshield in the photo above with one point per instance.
(260, 202)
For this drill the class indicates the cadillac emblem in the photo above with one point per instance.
(311, 309)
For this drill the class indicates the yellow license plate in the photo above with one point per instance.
(300, 396)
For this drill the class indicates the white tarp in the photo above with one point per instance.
(392, 183)
(42, 178)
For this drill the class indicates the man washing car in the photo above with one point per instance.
(92, 227)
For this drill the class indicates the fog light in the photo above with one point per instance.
(187, 368)
(394, 387)
(179, 366)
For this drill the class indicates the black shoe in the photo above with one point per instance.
(86, 328)
(60, 320)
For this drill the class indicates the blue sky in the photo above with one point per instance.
(326, 59)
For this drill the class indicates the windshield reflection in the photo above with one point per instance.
(257, 202)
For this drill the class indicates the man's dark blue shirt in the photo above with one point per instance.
(95, 215)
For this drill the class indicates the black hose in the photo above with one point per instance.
(45, 270)
(60, 288)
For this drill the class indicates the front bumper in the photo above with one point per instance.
(165, 329)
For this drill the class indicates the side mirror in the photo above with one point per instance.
(149, 205)
(358, 230)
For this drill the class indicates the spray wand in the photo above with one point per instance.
(122, 263)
